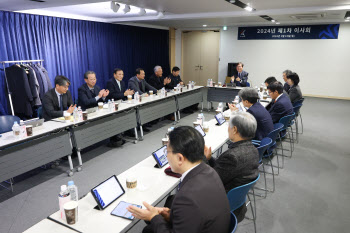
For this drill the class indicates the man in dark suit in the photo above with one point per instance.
(138, 83)
(263, 118)
(175, 77)
(116, 86)
(201, 204)
(272, 79)
(89, 94)
(58, 99)
(242, 76)
(239, 164)
(157, 80)
(285, 73)
(281, 105)
(294, 90)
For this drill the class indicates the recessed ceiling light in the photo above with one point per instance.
(347, 20)
(232, 1)
(224, 28)
(278, 23)
(248, 8)
(204, 25)
(273, 21)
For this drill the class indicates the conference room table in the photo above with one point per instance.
(153, 185)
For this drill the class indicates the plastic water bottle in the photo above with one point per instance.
(203, 117)
(80, 113)
(16, 129)
(73, 191)
(109, 105)
(63, 198)
(200, 119)
(162, 92)
(113, 105)
(137, 97)
(75, 114)
(211, 83)
(220, 107)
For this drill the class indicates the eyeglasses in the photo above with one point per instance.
(166, 151)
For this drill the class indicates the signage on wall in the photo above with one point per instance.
(295, 32)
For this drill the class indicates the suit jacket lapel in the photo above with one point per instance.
(55, 99)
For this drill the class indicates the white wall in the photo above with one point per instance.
(323, 65)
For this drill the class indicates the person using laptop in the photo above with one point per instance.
(239, 164)
(200, 204)
(89, 94)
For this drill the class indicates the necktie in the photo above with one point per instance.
(61, 102)
(93, 93)
(179, 185)
(140, 85)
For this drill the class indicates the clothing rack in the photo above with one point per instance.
(8, 89)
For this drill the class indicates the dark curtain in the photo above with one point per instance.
(71, 47)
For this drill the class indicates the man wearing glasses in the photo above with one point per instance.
(280, 105)
(58, 100)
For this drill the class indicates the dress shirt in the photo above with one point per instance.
(59, 100)
(278, 97)
(96, 97)
(186, 172)
(118, 82)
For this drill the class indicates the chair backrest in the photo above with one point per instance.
(248, 84)
(233, 223)
(274, 133)
(286, 120)
(264, 144)
(237, 196)
(40, 112)
(6, 123)
(297, 109)
(300, 101)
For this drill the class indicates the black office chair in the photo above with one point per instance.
(6, 123)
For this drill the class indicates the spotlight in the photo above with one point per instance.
(232, 1)
(142, 11)
(273, 21)
(248, 8)
(160, 15)
(115, 6)
(126, 9)
(224, 28)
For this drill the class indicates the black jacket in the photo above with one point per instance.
(157, 82)
(51, 108)
(86, 98)
(263, 119)
(114, 91)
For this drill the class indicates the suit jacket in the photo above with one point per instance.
(114, 91)
(51, 108)
(244, 79)
(145, 87)
(294, 93)
(22, 98)
(85, 97)
(174, 81)
(282, 107)
(286, 87)
(157, 83)
(200, 205)
(263, 119)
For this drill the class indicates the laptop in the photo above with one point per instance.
(34, 122)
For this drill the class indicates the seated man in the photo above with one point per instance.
(286, 86)
(116, 86)
(89, 94)
(138, 83)
(263, 118)
(242, 77)
(201, 204)
(239, 164)
(157, 80)
(175, 77)
(272, 79)
(294, 90)
(58, 100)
(281, 105)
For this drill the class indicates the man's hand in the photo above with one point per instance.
(128, 92)
(232, 107)
(145, 94)
(100, 94)
(207, 152)
(105, 93)
(71, 108)
(167, 81)
(238, 79)
(165, 213)
(146, 214)
(181, 83)
(233, 78)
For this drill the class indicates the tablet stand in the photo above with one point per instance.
(97, 208)
(157, 166)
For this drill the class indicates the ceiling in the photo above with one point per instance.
(188, 14)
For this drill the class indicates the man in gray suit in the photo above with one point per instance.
(138, 83)
(201, 204)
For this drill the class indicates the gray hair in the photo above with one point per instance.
(250, 94)
(246, 124)
(287, 72)
(157, 68)
(87, 73)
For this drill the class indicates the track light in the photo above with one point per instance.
(248, 8)
(160, 15)
(142, 11)
(126, 9)
(115, 6)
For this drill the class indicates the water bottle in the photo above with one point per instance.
(16, 129)
(208, 83)
(109, 106)
(162, 92)
(73, 191)
(136, 97)
(75, 114)
(203, 117)
(113, 105)
(167, 133)
(80, 113)
(200, 119)
(211, 83)
(63, 198)
(220, 107)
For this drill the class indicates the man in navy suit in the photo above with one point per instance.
(89, 94)
(116, 86)
(242, 76)
(263, 118)
(281, 105)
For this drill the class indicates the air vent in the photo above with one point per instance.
(37, 1)
(308, 16)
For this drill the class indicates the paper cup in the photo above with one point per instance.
(131, 183)
(196, 123)
(100, 105)
(67, 116)
(29, 129)
(150, 92)
(116, 106)
(206, 126)
(85, 116)
(71, 212)
(164, 141)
